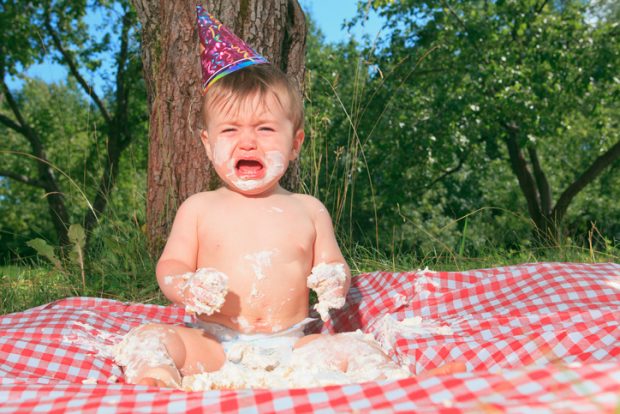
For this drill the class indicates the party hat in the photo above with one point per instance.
(221, 51)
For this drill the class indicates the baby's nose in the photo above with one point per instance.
(248, 141)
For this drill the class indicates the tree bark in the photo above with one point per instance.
(178, 166)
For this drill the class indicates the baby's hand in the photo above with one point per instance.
(328, 281)
(204, 291)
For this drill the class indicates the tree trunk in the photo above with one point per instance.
(178, 166)
(537, 191)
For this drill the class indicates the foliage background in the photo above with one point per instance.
(407, 142)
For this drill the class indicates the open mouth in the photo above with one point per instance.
(249, 169)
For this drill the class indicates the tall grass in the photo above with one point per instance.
(116, 263)
(117, 266)
(126, 273)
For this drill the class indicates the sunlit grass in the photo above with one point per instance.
(29, 285)
(25, 287)
(363, 259)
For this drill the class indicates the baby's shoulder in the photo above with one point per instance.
(312, 204)
(199, 200)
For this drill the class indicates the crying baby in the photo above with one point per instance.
(242, 259)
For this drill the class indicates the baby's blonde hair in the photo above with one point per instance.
(234, 88)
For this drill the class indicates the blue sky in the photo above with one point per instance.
(329, 14)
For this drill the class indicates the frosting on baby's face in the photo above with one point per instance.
(251, 143)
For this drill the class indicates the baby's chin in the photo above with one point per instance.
(253, 187)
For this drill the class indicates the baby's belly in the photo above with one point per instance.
(271, 315)
(267, 289)
(268, 305)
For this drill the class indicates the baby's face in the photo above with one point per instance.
(251, 143)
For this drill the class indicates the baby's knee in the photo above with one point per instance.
(148, 346)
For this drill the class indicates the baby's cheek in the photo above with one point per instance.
(221, 151)
(275, 163)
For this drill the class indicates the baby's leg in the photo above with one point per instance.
(160, 354)
(321, 347)
(354, 353)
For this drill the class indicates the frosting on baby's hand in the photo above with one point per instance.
(328, 281)
(205, 290)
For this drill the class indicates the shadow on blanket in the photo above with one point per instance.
(527, 333)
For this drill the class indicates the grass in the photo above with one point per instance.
(32, 284)
(25, 287)
(117, 266)
(363, 259)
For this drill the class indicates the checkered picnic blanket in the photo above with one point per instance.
(535, 338)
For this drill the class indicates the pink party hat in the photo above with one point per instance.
(222, 52)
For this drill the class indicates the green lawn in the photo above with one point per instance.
(25, 286)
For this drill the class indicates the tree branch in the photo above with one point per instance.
(118, 138)
(589, 175)
(524, 176)
(449, 171)
(22, 178)
(541, 7)
(73, 68)
(11, 124)
(122, 96)
(541, 182)
(29, 133)
(47, 179)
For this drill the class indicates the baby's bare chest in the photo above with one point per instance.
(245, 232)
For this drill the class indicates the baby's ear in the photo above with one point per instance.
(298, 140)
(205, 141)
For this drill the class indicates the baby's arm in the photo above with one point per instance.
(201, 290)
(330, 277)
(178, 260)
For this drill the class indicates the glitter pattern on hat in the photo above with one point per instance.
(221, 51)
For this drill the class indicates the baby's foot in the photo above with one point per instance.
(161, 376)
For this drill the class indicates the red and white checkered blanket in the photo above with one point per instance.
(535, 338)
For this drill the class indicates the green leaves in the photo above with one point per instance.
(454, 80)
(77, 236)
(44, 249)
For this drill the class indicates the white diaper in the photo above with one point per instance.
(256, 349)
